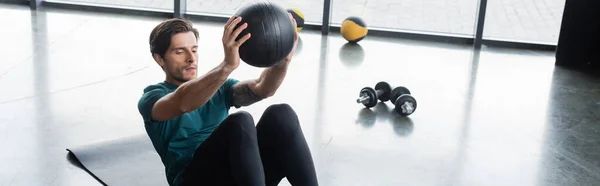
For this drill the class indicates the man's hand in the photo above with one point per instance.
(288, 58)
(251, 91)
(230, 45)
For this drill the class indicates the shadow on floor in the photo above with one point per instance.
(352, 55)
(381, 113)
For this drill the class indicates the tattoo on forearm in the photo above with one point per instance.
(243, 96)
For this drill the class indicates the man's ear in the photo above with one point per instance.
(159, 60)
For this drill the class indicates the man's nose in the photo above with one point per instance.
(191, 57)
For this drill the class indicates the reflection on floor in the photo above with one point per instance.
(489, 117)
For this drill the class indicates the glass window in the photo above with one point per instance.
(441, 16)
(156, 5)
(529, 21)
(311, 9)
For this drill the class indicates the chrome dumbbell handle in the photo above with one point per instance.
(407, 108)
(363, 99)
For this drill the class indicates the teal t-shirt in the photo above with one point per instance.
(176, 140)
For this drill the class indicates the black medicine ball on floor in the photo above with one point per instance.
(272, 34)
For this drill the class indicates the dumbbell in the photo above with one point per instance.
(405, 103)
(368, 96)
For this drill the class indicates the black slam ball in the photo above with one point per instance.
(272, 34)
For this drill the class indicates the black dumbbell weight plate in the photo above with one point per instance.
(372, 97)
(405, 105)
(398, 91)
(387, 89)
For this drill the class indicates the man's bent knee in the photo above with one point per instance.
(281, 113)
(281, 108)
(240, 120)
(281, 118)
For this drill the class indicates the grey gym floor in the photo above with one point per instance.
(494, 117)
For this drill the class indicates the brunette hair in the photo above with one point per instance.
(160, 37)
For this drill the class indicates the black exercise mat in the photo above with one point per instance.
(128, 161)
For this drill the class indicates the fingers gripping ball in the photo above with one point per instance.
(299, 17)
(272, 34)
(353, 29)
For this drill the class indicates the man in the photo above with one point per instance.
(187, 120)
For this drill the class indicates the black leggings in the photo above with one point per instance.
(238, 153)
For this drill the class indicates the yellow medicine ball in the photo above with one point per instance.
(353, 29)
(298, 16)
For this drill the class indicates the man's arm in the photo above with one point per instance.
(195, 93)
(251, 91)
(190, 95)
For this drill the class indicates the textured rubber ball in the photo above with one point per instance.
(299, 17)
(272, 34)
(353, 29)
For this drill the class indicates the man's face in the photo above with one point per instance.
(180, 61)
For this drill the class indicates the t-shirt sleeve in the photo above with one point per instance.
(228, 91)
(146, 103)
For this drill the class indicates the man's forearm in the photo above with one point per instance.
(271, 79)
(197, 92)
